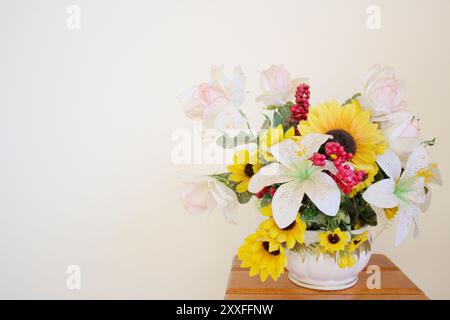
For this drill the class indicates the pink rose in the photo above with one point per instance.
(203, 102)
(383, 94)
(277, 86)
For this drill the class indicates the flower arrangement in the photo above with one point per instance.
(331, 168)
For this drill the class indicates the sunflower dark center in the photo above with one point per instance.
(266, 247)
(333, 238)
(248, 170)
(289, 227)
(345, 139)
(356, 241)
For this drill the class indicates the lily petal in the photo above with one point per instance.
(381, 194)
(268, 175)
(323, 191)
(286, 151)
(286, 202)
(419, 159)
(312, 143)
(390, 163)
(406, 214)
(417, 191)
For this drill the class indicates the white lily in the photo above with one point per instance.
(298, 176)
(405, 190)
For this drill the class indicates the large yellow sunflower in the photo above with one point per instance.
(350, 126)
(262, 256)
(244, 166)
(292, 234)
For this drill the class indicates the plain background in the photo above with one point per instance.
(86, 118)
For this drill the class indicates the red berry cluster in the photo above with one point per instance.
(318, 159)
(299, 111)
(337, 153)
(345, 177)
(270, 190)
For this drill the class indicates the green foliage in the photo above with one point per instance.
(267, 123)
(316, 220)
(356, 95)
(227, 142)
(359, 211)
(281, 115)
(430, 143)
(243, 197)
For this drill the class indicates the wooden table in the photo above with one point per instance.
(395, 285)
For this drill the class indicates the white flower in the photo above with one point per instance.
(403, 134)
(383, 94)
(204, 194)
(216, 101)
(405, 190)
(277, 86)
(299, 177)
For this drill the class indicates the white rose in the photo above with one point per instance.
(203, 194)
(383, 94)
(277, 86)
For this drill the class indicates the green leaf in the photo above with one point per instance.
(267, 123)
(282, 116)
(369, 216)
(271, 107)
(430, 143)
(244, 197)
(356, 95)
(227, 142)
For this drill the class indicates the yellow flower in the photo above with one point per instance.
(346, 260)
(262, 256)
(290, 235)
(266, 211)
(333, 241)
(350, 126)
(357, 241)
(430, 174)
(271, 137)
(390, 213)
(244, 166)
(369, 179)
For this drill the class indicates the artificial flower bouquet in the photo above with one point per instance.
(320, 175)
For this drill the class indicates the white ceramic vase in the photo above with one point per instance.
(321, 271)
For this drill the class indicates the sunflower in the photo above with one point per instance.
(369, 178)
(262, 256)
(390, 213)
(333, 241)
(346, 260)
(244, 166)
(271, 137)
(351, 127)
(266, 211)
(290, 235)
(357, 241)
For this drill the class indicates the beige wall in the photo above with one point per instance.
(87, 116)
